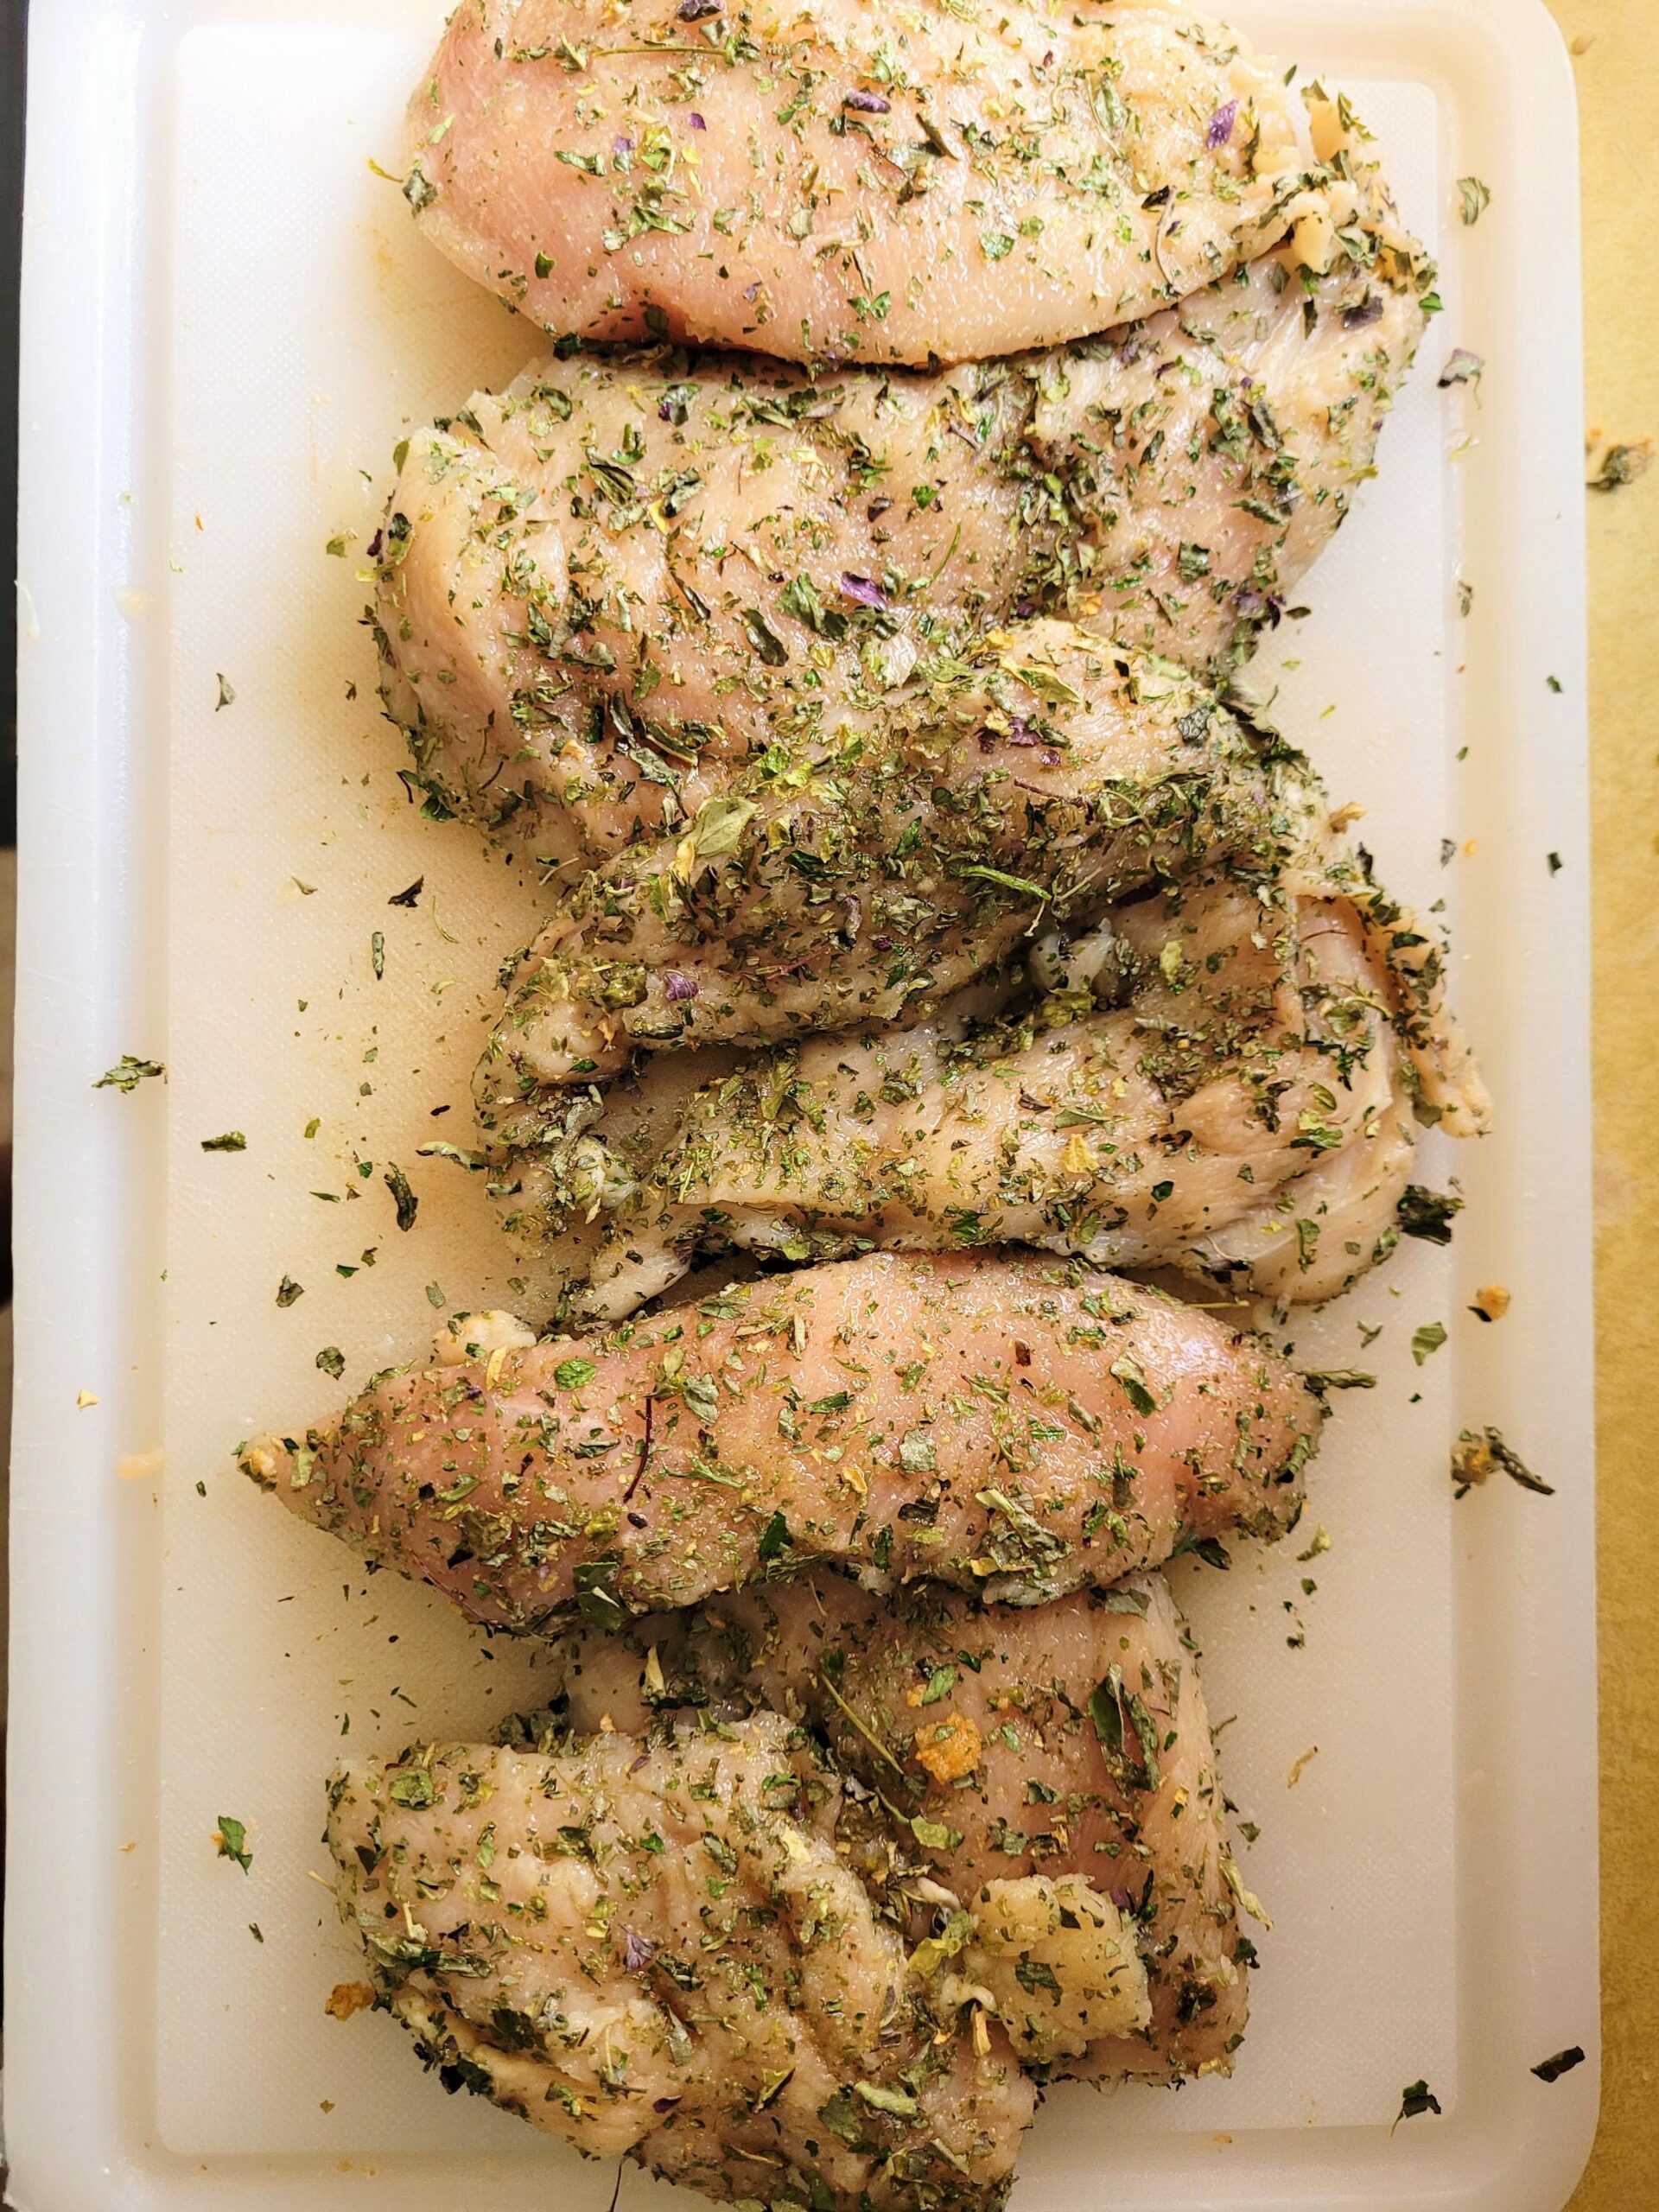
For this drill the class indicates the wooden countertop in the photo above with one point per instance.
(1616, 60)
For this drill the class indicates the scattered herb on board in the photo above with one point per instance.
(332, 1361)
(231, 1841)
(226, 694)
(1475, 198)
(335, 548)
(435, 1294)
(408, 898)
(127, 1074)
(1622, 465)
(1428, 1339)
(288, 1290)
(1416, 2099)
(1426, 1213)
(471, 1161)
(1551, 2069)
(407, 1203)
(232, 1141)
(377, 954)
(1338, 1378)
(1462, 367)
(1553, 682)
(1552, 862)
(1478, 1451)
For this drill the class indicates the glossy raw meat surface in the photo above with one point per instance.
(604, 589)
(1069, 1739)
(655, 1950)
(822, 178)
(1001, 1424)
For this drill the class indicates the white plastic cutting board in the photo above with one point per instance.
(229, 322)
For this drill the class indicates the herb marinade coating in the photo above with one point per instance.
(1049, 774)
(602, 591)
(653, 1949)
(1215, 1084)
(1069, 1739)
(1009, 1426)
(935, 181)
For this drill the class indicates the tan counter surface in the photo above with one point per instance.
(1616, 64)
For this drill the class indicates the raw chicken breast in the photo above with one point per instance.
(1188, 1125)
(1027, 786)
(602, 592)
(653, 1949)
(1068, 1741)
(822, 179)
(1222, 1078)
(1006, 1425)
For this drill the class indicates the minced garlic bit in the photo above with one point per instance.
(477, 1336)
(1060, 1960)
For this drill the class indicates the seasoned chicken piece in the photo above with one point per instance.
(653, 1949)
(1067, 1741)
(602, 592)
(1220, 1078)
(1006, 1425)
(1193, 1125)
(937, 183)
(1047, 776)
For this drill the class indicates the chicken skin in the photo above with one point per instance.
(1197, 1119)
(653, 1949)
(1039, 779)
(1005, 1425)
(1069, 1741)
(602, 592)
(822, 179)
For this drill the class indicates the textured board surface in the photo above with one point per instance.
(282, 327)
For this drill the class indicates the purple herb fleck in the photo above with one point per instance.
(696, 121)
(693, 11)
(1369, 310)
(638, 1951)
(1221, 125)
(867, 103)
(677, 986)
(862, 592)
